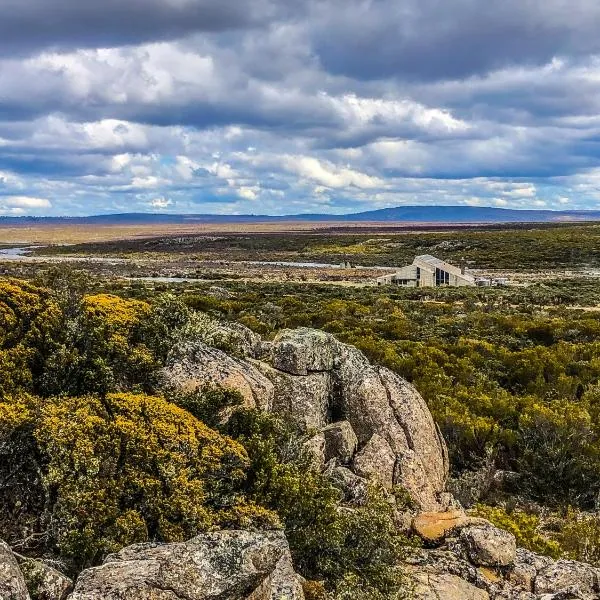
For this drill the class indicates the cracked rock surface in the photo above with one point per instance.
(373, 420)
(225, 565)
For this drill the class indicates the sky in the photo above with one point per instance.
(294, 106)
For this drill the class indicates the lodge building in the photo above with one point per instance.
(428, 271)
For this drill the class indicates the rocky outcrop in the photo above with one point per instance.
(45, 582)
(373, 421)
(12, 583)
(195, 365)
(470, 554)
(225, 565)
(488, 546)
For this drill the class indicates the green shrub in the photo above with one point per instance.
(130, 468)
(524, 526)
(353, 550)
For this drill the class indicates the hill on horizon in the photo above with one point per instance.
(404, 214)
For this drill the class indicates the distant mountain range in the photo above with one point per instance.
(400, 214)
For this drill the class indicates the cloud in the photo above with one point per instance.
(432, 40)
(31, 25)
(20, 205)
(279, 106)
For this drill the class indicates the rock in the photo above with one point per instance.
(489, 546)
(568, 575)
(314, 451)
(303, 400)
(317, 383)
(195, 365)
(435, 526)
(302, 351)
(353, 487)
(340, 442)
(445, 562)
(376, 401)
(44, 582)
(376, 461)
(12, 583)
(237, 339)
(224, 565)
(443, 586)
(526, 567)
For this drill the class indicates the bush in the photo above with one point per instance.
(353, 550)
(524, 526)
(579, 536)
(131, 468)
(559, 458)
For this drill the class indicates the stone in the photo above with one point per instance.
(568, 575)
(317, 383)
(354, 488)
(45, 582)
(526, 567)
(237, 339)
(302, 351)
(302, 400)
(224, 565)
(446, 562)
(376, 401)
(489, 546)
(376, 461)
(314, 451)
(195, 365)
(435, 526)
(12, 583)
(443, 586)
(340, 442)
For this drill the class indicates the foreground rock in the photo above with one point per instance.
(374, 422)
(44, 582)
(474, 559)
(12, 583)
(195, 365)
(225, 565)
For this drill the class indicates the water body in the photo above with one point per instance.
(24, 254)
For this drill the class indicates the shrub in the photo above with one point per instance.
(353, 550)
(29, 319)
(130, 468)
(579, 536)
(524, 526)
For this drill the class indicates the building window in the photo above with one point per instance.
(442, 277)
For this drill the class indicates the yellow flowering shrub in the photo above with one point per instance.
(28, 319)
(130, 468)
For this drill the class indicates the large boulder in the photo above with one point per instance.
(225, 565)
(45, 582)
(571, 576)
(303, 351)
(375, 402)
(194, 365)
(320, 384)
(12, 583)
(488, 546)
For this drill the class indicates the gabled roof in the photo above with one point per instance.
(432, 260)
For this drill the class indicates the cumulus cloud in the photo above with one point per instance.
(279, 107)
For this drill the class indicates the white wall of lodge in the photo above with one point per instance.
(428, 271)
